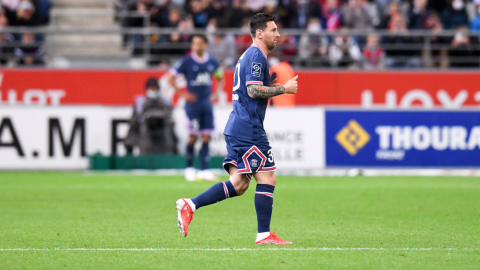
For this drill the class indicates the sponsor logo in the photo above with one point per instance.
(395, 140)
(203, 78)
(352, 137)
(254, 163)
(256, 69)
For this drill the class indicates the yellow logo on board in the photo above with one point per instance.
(352, 137)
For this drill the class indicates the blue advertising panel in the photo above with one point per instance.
(435, 139)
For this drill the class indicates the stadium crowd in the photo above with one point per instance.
(340, 49)
(25, 49)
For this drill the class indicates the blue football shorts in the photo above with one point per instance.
(249, 157)
(200, 119)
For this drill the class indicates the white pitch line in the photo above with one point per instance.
(238, 249)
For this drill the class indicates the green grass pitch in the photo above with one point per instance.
(63, 220)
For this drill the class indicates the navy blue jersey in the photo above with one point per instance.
(246, 119)
(198, 72)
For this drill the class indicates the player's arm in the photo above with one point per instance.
(171, 80)
(220, 79)
(219, 75)
(263, 92)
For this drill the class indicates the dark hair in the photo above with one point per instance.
(152, 82)
(203, 37)
(259, 22)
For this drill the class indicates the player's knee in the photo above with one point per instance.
(273, 181)
(241, 189)
(241, 186)
(267, 178)
(205, 139)
(192, 139)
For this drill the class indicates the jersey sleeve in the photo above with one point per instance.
(179, 67)
(256, 69)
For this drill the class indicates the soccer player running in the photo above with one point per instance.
(249, 153)
(198, 69)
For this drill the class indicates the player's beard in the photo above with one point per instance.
(270, 45)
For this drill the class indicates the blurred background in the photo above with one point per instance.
(384, 84)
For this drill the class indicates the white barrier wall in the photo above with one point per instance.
(56, 137)
(63, 137)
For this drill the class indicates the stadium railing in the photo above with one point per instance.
(152, 44)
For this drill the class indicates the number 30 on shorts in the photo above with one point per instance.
(270, 156)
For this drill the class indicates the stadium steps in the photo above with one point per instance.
(81, 3)
(81, 44)
(68, 48)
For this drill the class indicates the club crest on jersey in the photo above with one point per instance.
(254, 163)
(256, 69)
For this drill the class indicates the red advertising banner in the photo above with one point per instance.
(391, 89)
(368, 89)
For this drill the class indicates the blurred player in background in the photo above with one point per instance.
(249, 152)
(198, 69)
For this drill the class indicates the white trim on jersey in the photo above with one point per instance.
(198, 59)
(255, 45)
(253, 82)
(173, 71)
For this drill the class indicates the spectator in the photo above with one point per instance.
(30, 52)
(462, 53)
(356, 15)
(418, 15)
(179, 42)
(27, 14)
(218, 10)
(399, 52)
(43, 7)
(244, 41)
(311, 45)
(256, 5)
(286, 47)
(222, 47)
(475, 25)
(6, 40)
(238, 12)
(455, 15)
(11, 4)
(393, 9)
(10, 8)
(373, 54)
(438, 57)
(199, 14)
(299, 11)
(143, 8)
(332, 15)
(271, 7)
(344, 51)
(148, 13)
(438, 5)
(173, 18)
(384, 5)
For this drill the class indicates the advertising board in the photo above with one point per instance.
(423, 139)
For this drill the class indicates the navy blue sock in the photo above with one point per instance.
(216, 193)
(204, 156)
(190, 155)
(264, 205)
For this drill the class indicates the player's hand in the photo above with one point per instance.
(274, 83)
(291, 86)
(213, 98)
(189, 97)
